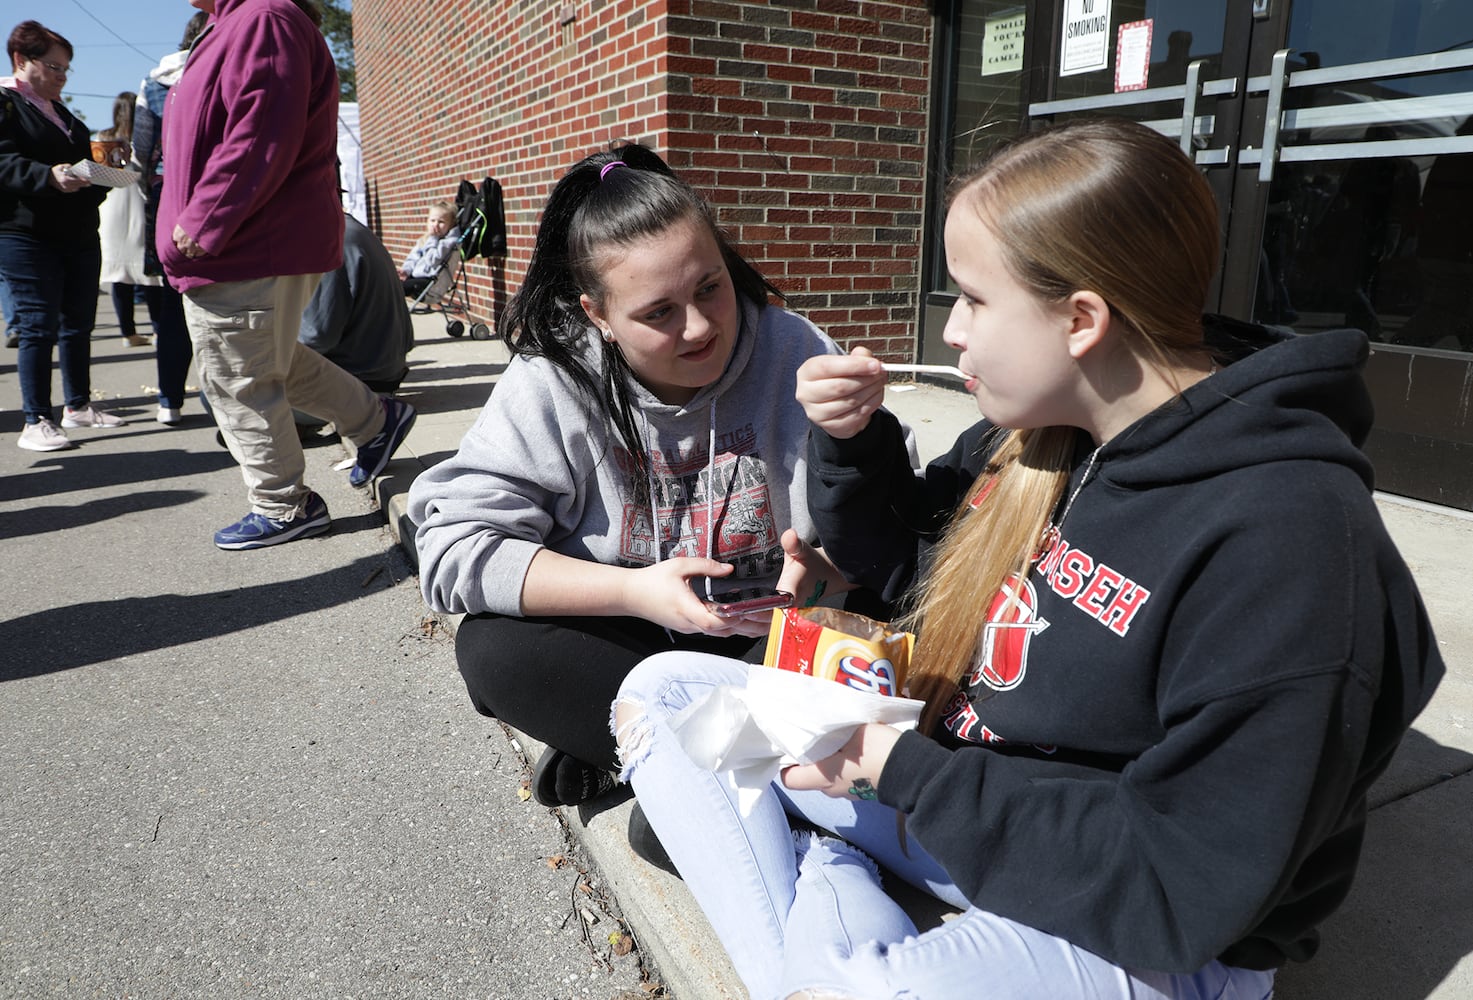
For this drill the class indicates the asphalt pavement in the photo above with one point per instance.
(233, 774)
(252, 774)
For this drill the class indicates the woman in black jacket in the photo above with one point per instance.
(49, 252)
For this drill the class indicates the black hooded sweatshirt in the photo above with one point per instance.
(1164, 749)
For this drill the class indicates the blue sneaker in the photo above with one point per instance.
(373, 456)
(256, 531)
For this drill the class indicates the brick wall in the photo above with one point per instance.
(804, 122)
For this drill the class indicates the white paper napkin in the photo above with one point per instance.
(779, 718)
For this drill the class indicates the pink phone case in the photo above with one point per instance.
(737, 603)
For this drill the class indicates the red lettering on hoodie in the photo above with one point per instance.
(960, 718)
(1071, 571)
(1106, 595)
(1128, 600)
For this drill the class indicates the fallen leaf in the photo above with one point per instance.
(623, 944)
(556, 861)
(524, 793)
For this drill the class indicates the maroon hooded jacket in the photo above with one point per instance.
(250, 150)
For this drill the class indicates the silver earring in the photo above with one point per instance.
(608, 336)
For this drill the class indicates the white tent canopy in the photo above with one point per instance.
(350, 158)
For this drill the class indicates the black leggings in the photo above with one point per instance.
(413, 286)
(555, 679)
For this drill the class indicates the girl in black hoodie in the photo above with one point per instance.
(1164, 642)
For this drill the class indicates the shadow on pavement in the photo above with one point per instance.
(77, 471)
(452, 373)
(41, 520)
(76, 635)
(454, 388)
(1408, 921)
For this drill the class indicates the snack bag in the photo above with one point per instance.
(840, 646)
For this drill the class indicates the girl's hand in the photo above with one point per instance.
(807, 573)
(840, 393)
(854, 771)
(66, 182)
(666, 594)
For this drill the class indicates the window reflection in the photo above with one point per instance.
(1342, 32)
(987, 91)
(986, 97)
(1380, 242)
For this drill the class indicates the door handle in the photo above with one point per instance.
(1193, 90)
(1273, 113)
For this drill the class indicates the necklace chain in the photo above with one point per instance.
(1052, 532)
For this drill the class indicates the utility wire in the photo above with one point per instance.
(110, 31)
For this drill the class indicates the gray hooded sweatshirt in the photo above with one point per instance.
(541, 468)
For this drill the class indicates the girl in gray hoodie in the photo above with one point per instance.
(644, 438)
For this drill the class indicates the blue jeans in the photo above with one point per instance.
(172, 349)
(809, 912)
(53, 298)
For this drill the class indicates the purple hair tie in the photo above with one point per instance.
(604, 170)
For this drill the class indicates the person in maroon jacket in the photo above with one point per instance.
(249, 221)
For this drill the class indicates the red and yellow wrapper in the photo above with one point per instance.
(840, 646)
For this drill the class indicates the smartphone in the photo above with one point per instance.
(747, 601)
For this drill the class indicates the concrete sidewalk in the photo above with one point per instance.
(252, 774)
(1406, 931)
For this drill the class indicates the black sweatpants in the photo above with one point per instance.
(555, 679)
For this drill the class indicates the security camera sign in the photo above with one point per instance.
(1086, 37)
(1002, 43)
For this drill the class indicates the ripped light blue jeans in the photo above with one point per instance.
(801, 912)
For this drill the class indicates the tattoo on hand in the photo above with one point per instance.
(862, 789)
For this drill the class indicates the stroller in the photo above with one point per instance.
(482, 223)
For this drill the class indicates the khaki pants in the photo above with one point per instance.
(253, 371)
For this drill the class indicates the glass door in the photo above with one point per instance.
(1357, 168)
(999, 68)
(1179, 66)
(1338, 135)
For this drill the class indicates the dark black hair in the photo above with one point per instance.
(586, 215)
(310, 8)
(192, 29)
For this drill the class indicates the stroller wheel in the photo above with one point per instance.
(480, 331)
(455, 328)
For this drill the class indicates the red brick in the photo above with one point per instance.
(520, 98)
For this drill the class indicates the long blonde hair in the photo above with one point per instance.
(1102, 205)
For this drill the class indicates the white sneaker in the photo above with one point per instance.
(88, 416)
(168, 415)
(43, 435)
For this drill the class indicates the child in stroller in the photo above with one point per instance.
(427, 263)
(474, 227)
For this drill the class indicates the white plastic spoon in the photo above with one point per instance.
(927, 369)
